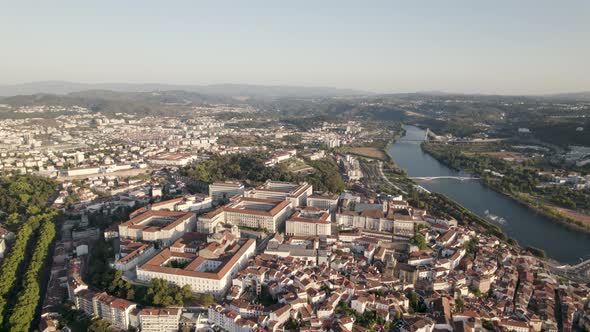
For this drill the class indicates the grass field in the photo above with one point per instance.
(369, 152)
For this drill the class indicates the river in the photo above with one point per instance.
(560, 242)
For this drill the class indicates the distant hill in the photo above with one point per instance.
(582, 96)
(225, 90)
(573, 96)
(147, 103)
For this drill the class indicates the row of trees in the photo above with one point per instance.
(567, 197)
(24, 208)
(12, 264)
(28, 299)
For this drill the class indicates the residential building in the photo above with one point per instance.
(159, 319)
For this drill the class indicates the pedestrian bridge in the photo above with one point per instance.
(429, 178)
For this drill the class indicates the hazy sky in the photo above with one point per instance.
(512, 46)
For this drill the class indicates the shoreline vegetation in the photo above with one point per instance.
(517, 196)
(436, 201)
(442, 205)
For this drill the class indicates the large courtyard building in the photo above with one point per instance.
(325, 202)
(222, 191)
(309, 222)
(158, 226)
(255, 213)
(295, 193)
(203, 273)
(189, 203)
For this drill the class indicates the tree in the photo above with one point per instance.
(326, 176)
(419, 241)
(120, 287)
(160, 293)
(488, 325)
(204, 299)
(416, 304)
(292, 324)
(420, 227)
(459, 304)
(471, 247)
(99, 325)
(326, 289)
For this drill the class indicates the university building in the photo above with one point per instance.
(161, 226)
(309, 222)
(256, 213)
(295, 193)
(203, 274)
(220, 191)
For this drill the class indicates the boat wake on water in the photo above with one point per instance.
(494, 218)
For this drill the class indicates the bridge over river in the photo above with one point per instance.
(429, 178)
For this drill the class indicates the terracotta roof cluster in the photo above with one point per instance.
(169, 219)
(155, 264)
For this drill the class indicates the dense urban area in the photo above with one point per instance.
(179, 211)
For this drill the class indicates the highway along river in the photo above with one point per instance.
(561, 243)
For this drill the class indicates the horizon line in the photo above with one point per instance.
(359, 90)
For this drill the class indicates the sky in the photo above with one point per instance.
(501, 46)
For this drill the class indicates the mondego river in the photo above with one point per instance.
(560, 242)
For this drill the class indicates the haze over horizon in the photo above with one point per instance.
(504, 47)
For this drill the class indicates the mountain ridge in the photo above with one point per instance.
(226, 90)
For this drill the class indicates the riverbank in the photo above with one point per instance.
(528, 228)
(443, 206)
(550, 212)
(518, 197)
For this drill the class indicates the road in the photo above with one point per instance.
(262, 245)
(380, 169)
